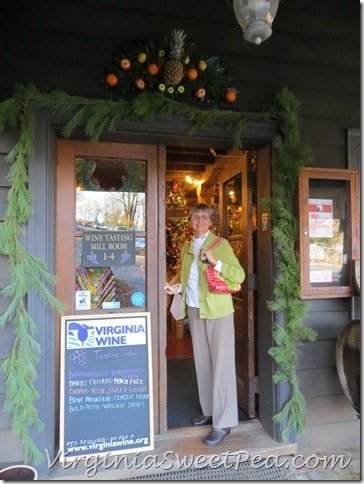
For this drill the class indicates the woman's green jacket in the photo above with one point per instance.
(212, 306)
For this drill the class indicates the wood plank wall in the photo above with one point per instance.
(314, 51)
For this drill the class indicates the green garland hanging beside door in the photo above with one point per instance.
(290, 155)
(27, 272)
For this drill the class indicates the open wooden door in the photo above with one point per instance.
(237, 224)
(109, 191)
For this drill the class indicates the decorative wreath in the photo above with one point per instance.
(173, 67)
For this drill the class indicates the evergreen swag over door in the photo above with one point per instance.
(28, 272)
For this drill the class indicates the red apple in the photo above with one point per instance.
(125, 64)
(139, 83)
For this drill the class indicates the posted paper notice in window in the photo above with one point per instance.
(320, 218)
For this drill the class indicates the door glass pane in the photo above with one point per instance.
(110, 234)
(233, 203)
(328, 233)
(233, 211)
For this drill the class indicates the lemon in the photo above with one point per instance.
(202, 65)
(142, 57)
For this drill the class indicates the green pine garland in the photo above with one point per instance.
(290, 155)
(29, 272)
(26, 272)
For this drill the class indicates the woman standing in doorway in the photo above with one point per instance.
(211, 324)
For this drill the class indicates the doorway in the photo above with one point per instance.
(213, 185)
(206, 186)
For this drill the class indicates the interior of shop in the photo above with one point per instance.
(192, 175)
(184, 173)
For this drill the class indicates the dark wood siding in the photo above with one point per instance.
(314, 51)
(317, 368)
(326, 404)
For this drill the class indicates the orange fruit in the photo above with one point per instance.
(230, 96)
(192, 74)
(153, 69)
(111, 79)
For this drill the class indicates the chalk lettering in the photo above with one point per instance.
(102, 355)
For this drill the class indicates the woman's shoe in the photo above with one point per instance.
(216, 436)
(201, 420)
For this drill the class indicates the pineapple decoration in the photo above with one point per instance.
(173, 71)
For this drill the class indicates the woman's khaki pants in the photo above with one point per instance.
(213, 343)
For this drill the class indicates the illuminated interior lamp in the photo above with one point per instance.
(193, 181)
(255, 18)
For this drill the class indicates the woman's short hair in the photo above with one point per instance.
(201, 207)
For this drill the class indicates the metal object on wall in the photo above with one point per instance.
(255, 18)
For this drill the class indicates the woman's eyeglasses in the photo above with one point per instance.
(200, 217)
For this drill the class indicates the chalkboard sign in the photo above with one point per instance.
(106, 385)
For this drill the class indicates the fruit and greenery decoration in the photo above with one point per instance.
(172, 66)
(28, 273)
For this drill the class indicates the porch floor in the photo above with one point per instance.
(248, 439)
(245, 441)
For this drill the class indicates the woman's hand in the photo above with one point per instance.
(208, 254)
(171, 289)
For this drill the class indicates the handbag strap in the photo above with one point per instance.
(216, 242)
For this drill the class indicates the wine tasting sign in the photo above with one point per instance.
(106, 385)
(108, 248)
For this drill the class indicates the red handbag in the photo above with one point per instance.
(215, 280)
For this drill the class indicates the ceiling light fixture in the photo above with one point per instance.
(194, 181)
(255, 18)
